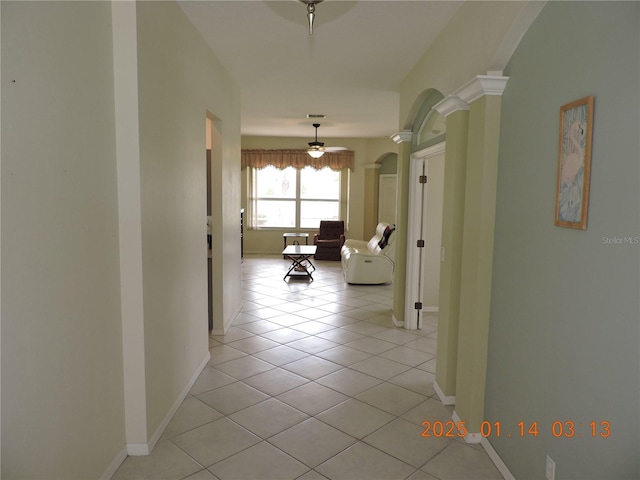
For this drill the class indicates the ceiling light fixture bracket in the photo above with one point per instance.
(311, 12)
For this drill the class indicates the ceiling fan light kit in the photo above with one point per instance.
(315, 153)
(311, 12)
(317, 149)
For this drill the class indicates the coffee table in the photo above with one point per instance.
(294, 235)
(301, 265)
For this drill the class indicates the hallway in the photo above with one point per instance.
(312, 381)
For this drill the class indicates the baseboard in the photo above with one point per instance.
(497, 461)
(115, 464)
(225, 328)
(471, 437)
(444, 399)
(493, 455)
(430, 309)
(396, 322)
(176, 405)
(141, 449)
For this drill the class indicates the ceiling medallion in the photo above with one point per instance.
(311, 12)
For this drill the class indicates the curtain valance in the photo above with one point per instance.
(296, 159)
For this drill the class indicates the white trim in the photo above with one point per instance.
(225, 328)
(430, 152)
(450, 104)
(396, 322)
(414, 266)
(403, 136)
(481, 86)
(234, 315)
(497, 461)
(493, 455)
(120, 457)
(471, 437)
(125, 81)
(444, 399)
(139, 449)
(415, 272)
(430, 309)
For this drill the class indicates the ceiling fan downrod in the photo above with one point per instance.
(311, 12)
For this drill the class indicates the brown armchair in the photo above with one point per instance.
(329, 240)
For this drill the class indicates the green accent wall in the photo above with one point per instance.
(564, 327)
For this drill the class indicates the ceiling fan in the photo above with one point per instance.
(317, 149)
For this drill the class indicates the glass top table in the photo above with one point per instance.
(300, 256)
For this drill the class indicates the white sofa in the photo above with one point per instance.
(370, 262)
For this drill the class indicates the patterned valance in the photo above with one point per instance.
(296, 159)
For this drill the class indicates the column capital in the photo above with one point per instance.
(403, 136)
(450, 104)
(481, 86)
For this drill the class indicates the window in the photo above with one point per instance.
(433, 126)
(294, 198)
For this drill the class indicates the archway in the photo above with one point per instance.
(424, 220)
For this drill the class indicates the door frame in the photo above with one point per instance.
(417, 219)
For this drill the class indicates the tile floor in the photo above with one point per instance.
(312, 382)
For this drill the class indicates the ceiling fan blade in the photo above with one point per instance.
(335, 149)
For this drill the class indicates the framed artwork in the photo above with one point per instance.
(574, 163)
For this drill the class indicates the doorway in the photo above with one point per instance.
(387, 191)
(424, 231)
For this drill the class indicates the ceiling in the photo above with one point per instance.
(350, 69)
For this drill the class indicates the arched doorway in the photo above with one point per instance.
(426, 181)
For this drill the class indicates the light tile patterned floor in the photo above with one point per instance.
(312, 382)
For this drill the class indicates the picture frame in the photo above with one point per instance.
(574, 164)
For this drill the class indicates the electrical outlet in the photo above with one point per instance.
(551, 469)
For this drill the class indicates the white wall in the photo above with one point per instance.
(62, 395)
(179, 82)
(63, 372)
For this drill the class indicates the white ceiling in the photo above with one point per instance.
(350, 69)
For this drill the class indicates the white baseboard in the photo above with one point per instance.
(430, 309)
(115, 464)
(176, 405)
(396, 322)
(141, 449)
(497, 461)
(444, 399)
(471, 437)
(225, 328)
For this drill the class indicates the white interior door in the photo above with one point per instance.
(424, 232)
(387, 191)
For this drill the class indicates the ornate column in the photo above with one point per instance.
(399, 275)
(456, 112)
(483, 94)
